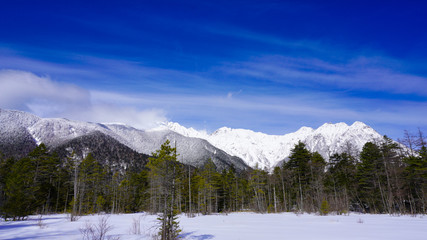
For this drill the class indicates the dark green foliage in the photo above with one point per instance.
(116, 179)
(415, 174)
(340, 181)
(299, 163)
(368, 177)
(164, 171)
(90, 180)
(324, 208)
(29, 186)
(45, 167)
(299, 169)
(6, 165)
(20, 191)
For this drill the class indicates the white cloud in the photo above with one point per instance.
(24, 90)
(267, 113)
(231, 94)
(47, 98)
(363, 73)
(276, 114)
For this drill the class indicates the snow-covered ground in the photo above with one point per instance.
(232, 226)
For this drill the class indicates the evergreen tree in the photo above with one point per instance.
(317, 173)
(5, 169)
(90, 177)
(370, 189)
(46, 172)
(298, 165)
(415, 175)
(164, 169)
(340, 181)
(20, 191)
(324, 207)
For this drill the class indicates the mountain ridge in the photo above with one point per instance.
(22, 127)
(225, 146)
(266, 151)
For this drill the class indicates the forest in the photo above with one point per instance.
(385, 177)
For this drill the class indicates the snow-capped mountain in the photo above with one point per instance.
(18, 127)
(266, 151)
(225, 146)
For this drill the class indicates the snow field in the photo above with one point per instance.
(233, 226)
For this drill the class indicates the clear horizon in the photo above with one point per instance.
(271, 66)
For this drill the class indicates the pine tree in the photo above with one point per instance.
(415, 174)
(317, 173)
(5, 169)
(90, 176)
(370, 189)
(20, 191)
(340, 181)
(298, 165)
(46, 167)
(164, 169)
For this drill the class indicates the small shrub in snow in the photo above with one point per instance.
(136, 226)
(97, 231)
(40, 222)
(324, 208)
(73, 218)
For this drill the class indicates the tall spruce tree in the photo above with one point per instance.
(370, 181)
(20, 191)
(164, 169)
(298, 165)
(340, 181)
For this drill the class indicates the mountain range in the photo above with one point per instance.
(267, 151)
(126, 146)
(115, 144)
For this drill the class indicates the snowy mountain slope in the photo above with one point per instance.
(15, 140)
(194, 147)
(107, 150)
(55, 132)
(193, 151)
(265, 151)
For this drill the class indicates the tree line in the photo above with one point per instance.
(383, 178)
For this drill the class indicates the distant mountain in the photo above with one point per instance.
(107, 150)
(110, 143)
(15, 140)
(266, 151)
(21, 131)
(193, 151)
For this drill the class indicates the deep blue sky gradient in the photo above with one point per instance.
(270, 66)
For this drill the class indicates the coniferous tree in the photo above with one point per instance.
(90, 176)
(369, 170)
(20, 191)
(46, 172)
(298, 166)
(5, 169)
(340, 181)
(164, 169)
(415, 175)
(317, 166)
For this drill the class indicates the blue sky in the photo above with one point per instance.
(269, 66)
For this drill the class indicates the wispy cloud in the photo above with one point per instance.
(271, 114)
(265, 39)
(362, 73)
(230, 94)
(105, 73)
(24, 90)
(276, 114)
